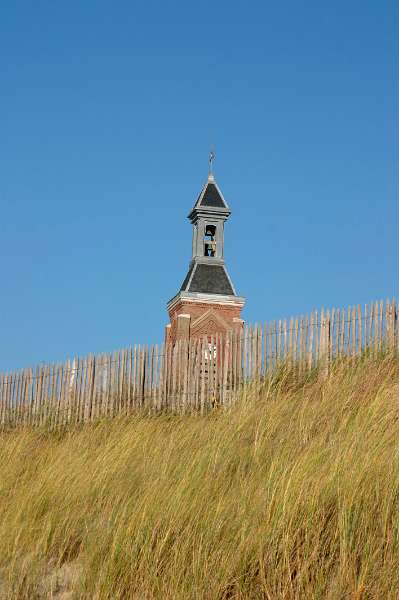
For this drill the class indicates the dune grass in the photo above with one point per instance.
(292, 493)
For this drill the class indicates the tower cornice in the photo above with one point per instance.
(201, 298)
(208, 212)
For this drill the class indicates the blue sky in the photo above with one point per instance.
(107, 114)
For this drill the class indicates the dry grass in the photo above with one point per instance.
(293, 493)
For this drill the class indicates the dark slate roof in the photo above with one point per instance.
(209, 279)
(186, 279)
(212, 197)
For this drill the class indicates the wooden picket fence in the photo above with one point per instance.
(192, 376)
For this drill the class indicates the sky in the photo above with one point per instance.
(108, 111)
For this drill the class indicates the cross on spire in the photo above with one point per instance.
(211, 159)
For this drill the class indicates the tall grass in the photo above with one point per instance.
(292, 493)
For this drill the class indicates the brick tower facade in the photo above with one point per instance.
(206, 303)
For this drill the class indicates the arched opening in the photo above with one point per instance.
(209, 240)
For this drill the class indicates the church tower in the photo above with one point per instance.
(207, 303)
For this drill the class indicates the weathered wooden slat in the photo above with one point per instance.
(155, 375)
(390, 327)
(221, 345)
(371, 328)
(129, 380)
(140, 373)
(10, 383)
(14, 410)
(134, 377)
(218, 370)
(86, 389)
(38, 406)
(161, 367)
(278, 345)
(44, 395)
(202, 383)
(15, 401)
(264, 349)
(359, 330)
(226, 367)
(302, 356)
(244, 352)
(149, 378)
(180, 377)
(234, 375)
(7, 383)
(75, 389)
(342, 334)
(347, 340)
(115, 383)
(172, 382)
(353, 328)
(24, 397)
(322, 337)
(2, 397)
(284, 340)
(82, 391)
(43, 411)
(197, 368)
(241, 358)
(25, 400)
(61, 404)
(10, 399)
(190, 360)
(293, 351)
(21, 399)
(184, 377)
(310, 346)
(219, 367)
(376, 328)
(305, 341)
(275, 344)
(166, 377)
(67, 374)
(337, 332)
(121, 380)
(173, 404)
(331, 335)
(296, 337)
(210, 396)
(93, 390)
(250, 353)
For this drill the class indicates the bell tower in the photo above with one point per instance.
(206, 303)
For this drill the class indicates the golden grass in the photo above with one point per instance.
(292, 493)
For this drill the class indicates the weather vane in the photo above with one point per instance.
(211, 159)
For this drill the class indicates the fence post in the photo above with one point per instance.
(324, 345)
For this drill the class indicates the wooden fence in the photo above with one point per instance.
(191, 376)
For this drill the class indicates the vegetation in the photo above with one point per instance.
(291, 493)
